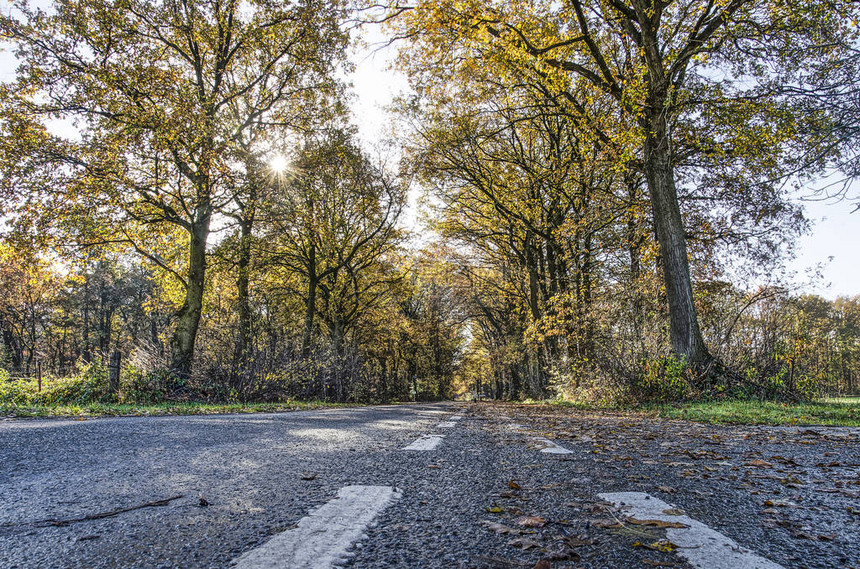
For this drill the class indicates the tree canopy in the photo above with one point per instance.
(608, 187)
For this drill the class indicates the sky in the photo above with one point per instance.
(831, 249)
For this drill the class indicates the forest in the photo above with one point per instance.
(607, 194)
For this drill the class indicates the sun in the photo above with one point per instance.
(279, 163)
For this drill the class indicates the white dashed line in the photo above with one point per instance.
(447, 424)
(456, 418)
(703, 547)
(321, 539)
(426, 442)
(552, 448)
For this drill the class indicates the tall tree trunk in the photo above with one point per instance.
(310, 302)
(188, 317)
(242, 286)
(337, 334)
(13, 348)
(87, 354)
(246, 230)
(684, 331)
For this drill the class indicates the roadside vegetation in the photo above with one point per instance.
(604, 222)
(93, 410)
(843, 411)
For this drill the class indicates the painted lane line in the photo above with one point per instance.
(426, 442)
(703, 547)
(321, 539)
(447, 424)
(551, 447)
(456, 418)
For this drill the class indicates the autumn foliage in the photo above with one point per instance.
(608, 189)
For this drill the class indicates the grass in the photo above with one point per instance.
(91, 410)
(838, 411)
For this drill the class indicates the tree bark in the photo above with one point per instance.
(242, 287)
(310, 303)
(684, 331)
(188, 317)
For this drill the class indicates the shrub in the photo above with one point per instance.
(16, 391)
(664, 378)
(138, 386)
(89, 384)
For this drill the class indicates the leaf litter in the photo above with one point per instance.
(803, 477)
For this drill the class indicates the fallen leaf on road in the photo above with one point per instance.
(500, 528)
(759, 463)
(779, 503)
(674, 512)
(513, 485)
(606, 523)
(308, 475)
(494, 509)
(542, 564)
(531, 521)
(433, 466)
(663, 545)
(524, 543)
(561, 552)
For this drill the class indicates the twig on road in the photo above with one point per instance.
(53, 522)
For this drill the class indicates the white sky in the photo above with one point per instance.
(833, 244)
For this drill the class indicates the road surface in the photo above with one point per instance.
(437, 485)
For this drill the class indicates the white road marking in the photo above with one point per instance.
(448, 424)
(456, 418)
(426, 442)
(320, 540)
(551, 447)
(703, 547)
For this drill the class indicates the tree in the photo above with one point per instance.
(30, 288)
(655, 62)
(334, 224)
(154, 90)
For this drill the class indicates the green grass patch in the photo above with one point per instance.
(90, 410)
(842, 411)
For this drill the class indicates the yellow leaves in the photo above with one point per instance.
(663, 545)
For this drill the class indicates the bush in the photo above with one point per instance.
(16, 391)
(138, 386)
(89, 384)
(665, 378)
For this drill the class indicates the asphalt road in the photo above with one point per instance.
(202, 491)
